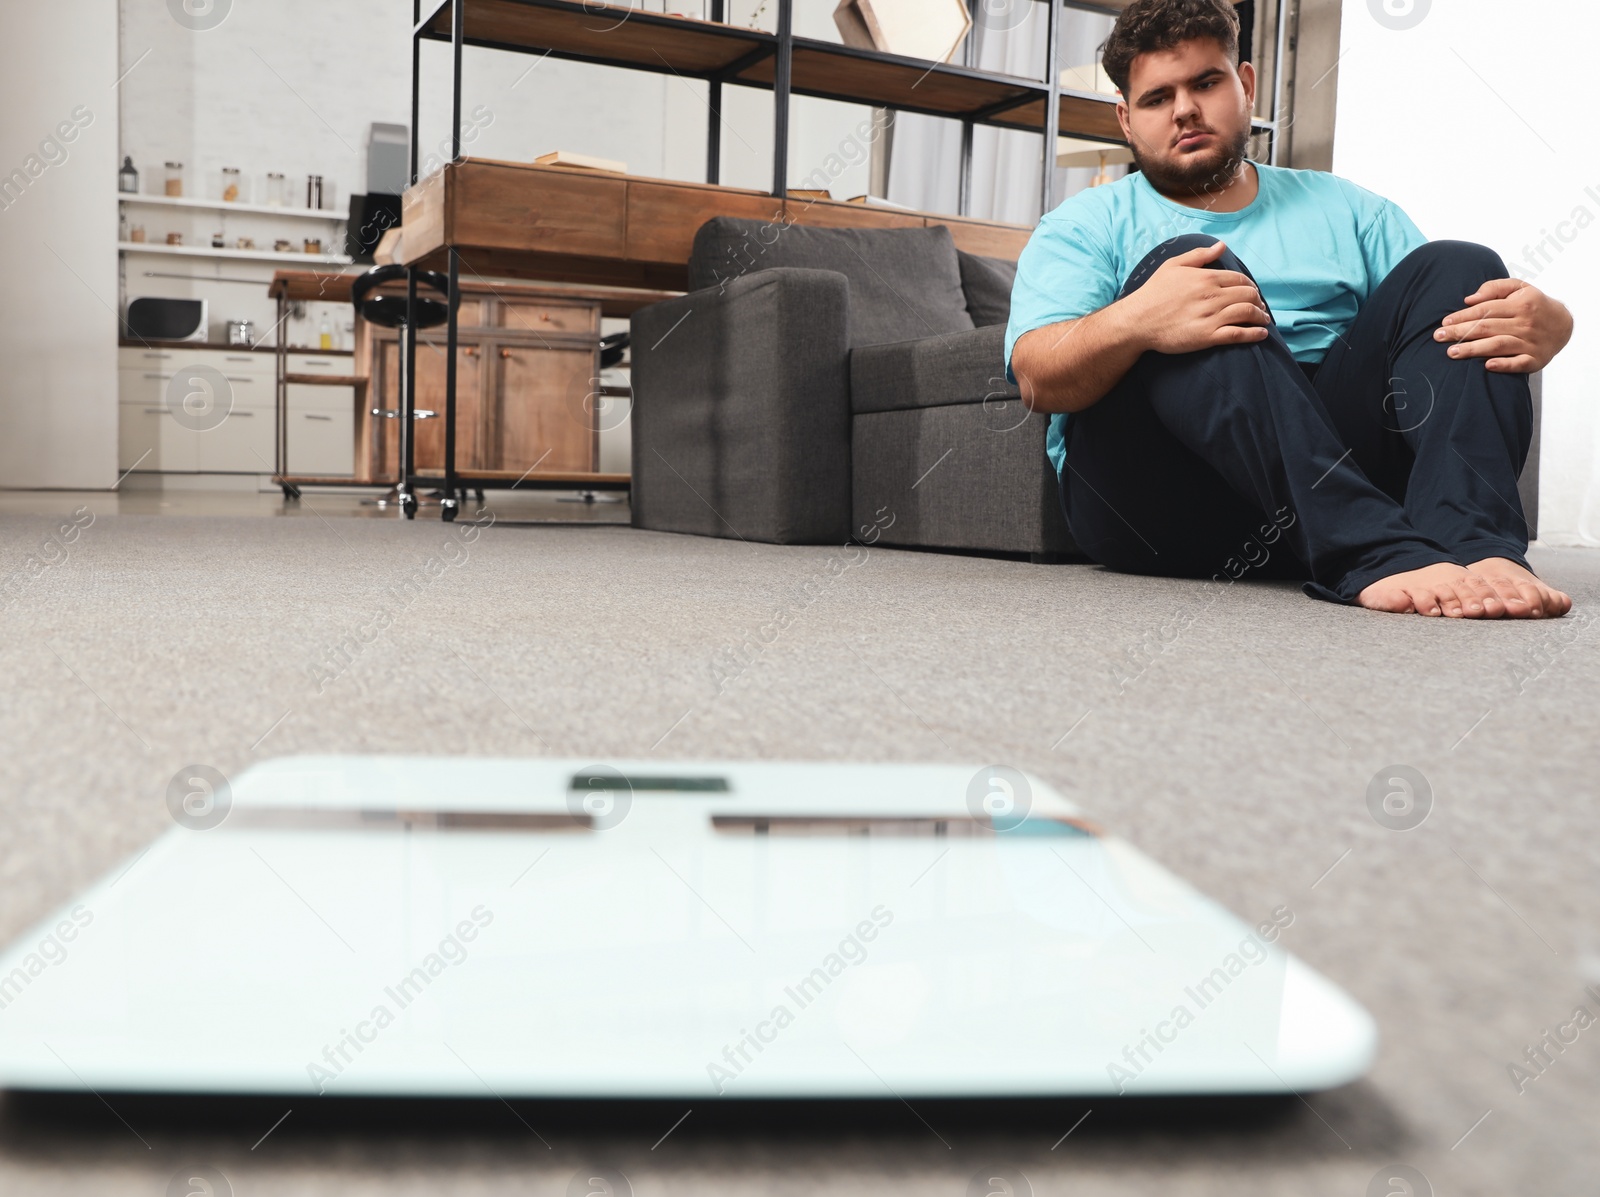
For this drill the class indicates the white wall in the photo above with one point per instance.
(58, 227)
(1477, 119)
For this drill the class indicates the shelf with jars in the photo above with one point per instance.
(230, 196)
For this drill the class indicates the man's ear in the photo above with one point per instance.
(1247, 76)
(1122, 119)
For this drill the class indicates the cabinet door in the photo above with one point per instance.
(320, 442)
(150, 439)
(138, 438)
(542, 411)
(429, 451)
(241, 444)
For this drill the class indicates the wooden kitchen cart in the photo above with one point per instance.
(528, 377)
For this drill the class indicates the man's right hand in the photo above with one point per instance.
(1185, 305)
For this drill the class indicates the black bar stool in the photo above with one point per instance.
(389, 311)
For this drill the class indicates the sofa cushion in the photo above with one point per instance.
(963, 367)
(987, 283)
(904, 283)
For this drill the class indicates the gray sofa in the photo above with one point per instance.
(821, 384)
(817, 385)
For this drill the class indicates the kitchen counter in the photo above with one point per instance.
(131, 343)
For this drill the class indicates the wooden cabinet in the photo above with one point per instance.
(525, 373)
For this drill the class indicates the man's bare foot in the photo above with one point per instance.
(1444, 589)
(1524, 595)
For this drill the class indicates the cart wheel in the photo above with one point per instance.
(408, 505)
(291, 493)
(447, 511)
(478, 494)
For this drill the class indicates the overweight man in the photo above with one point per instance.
(1236, 354)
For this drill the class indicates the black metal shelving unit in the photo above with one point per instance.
(725, 55)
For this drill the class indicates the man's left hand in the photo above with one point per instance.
(1513, 324)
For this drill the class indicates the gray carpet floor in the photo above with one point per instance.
(1229, 732)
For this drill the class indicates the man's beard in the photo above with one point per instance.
(1195, 174)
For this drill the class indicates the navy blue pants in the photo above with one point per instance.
(1239, 461)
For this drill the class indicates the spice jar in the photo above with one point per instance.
(174, 178)
(282, 246)
(313, 191)
(218, 241)
(136, 233)
(174, 238)
(232, 189)
(277, 189)
(313, 245)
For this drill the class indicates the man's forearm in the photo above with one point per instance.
(1069, 366)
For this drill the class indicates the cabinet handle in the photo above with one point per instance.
(471, 351)
(505, 353)
(310, 416)
(155, 411)
(233, 358)
(231, 378)
(237, 412)
(161, 356)
(316, 365)
(159, 377)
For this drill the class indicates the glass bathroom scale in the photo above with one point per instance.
(436, 927)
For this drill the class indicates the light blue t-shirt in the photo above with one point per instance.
(1316, 244)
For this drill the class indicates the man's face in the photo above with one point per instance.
(1187, 116)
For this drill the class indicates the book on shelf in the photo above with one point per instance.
(873, 201)
(581, 161)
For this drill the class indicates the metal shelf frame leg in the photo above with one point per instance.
(782, 74)
(448, 505)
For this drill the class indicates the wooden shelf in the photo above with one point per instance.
(203, 205)
(330, 480)
(613, 35)
(575, 479)
(325, 380)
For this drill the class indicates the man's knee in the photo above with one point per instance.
(1455, 259)
(1171, 248)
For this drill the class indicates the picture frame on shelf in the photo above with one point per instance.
(928, 29)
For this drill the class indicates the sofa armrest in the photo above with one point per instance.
(741, 409)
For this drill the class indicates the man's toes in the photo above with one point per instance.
(1451, 602)
(1513, 596)
(1533, 593)
(1425, 601)
(1393, 599)
(1556, 604)
(1476, 596)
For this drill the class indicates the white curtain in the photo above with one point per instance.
(925, 161)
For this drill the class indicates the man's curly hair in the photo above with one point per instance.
(1148, 25)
